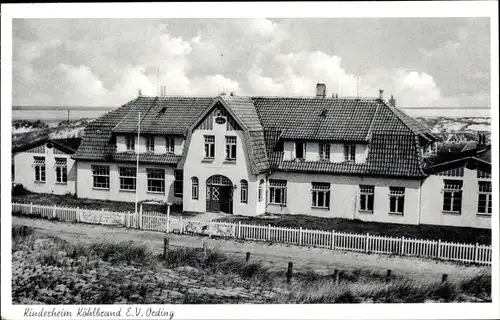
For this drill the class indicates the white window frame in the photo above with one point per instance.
(454, 189)
(150, 143)
(40, 169)
(61, 171)
(244, 191)
(100, 171)
(231, 148)
(130, 143)
(320, 190)
(365, 192)
(170, 144)
(398, 195)
(209, 146)
(154, 175)
(324, 151)
(128, 178)
(484, 190)
(277, 187)
(350, 152)
(303, 149)
(261, 190)
(195, 188)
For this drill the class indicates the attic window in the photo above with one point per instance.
(323, 113)
(220, 120)
(163, 110)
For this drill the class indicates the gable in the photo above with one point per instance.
(218, 112)
(37, 149)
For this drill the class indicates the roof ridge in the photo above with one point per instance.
(370, 129)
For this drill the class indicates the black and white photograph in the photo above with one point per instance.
(250, 161)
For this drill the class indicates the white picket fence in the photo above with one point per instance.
(156, 221)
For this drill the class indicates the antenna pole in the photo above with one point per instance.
(357, 88)
(158, 83)
(137, 165)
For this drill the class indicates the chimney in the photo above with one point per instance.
(320, 90)
(139, 92)
(392, 101)
(381, 94)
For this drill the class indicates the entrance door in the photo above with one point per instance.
(219, 194)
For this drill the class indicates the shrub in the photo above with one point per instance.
(19, 190)
(21, 231)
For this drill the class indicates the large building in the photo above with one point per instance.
(324, 156)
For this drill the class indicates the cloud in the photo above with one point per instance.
(105, 61)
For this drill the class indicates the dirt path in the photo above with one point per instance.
(275, 255)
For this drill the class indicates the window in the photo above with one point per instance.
(452, 196)
(209, 147)
(128, 177)
(320, 195)
(366, 195)
(244, 191)
(349, 152)
(261, 189)
(324, 151)
(61, 170)
(101, 176)
(231, 148)
(150, 144)
(156, 180)
(130, 143)
(194, 188)
(300, 150)
(396, 200)
(178, 183)
(429, 150)
(39, 165)
(484, 197)
(169, 144)
(277, 192)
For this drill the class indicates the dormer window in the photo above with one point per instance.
(169, 144)
(324, 151)
(349, 152)
(130, 143)
(429, 150)
(150, 144)
(300, 150)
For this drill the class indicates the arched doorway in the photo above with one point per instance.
(219, 194)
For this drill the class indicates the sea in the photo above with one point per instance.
(54, 115)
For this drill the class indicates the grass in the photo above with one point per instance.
(52, 271)
(69, 200)
(430, 232)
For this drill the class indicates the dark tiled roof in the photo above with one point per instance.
(448, 160)
(163, 115)
(69, 145)
(317, 118)
(392, 136)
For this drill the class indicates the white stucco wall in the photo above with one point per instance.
(196, 166)
(432, 202)
(160, 146)
(344, 199)
(85, 187)
(24, 172)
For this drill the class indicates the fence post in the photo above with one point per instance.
(387, 278)
(181, 227)
(165, 248)
(54, 212)
(476, 253)
(367, 242)
(168, 218)
(77, 214)
(402, 250)
(204, 249)
(247, 257)
(444, 278)
(268, 232)
(289, 272)
(300, 236)
(31, 208)
(332, 245)
(439, 249)
(239, 230)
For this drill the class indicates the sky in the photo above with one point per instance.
(422, 62)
